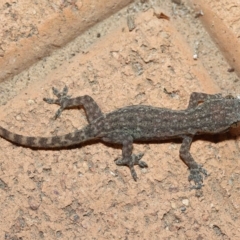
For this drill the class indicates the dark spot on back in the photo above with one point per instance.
(56, 140)
(43, 142)
(30, 141)
(17, 138)
(73, 137)
(5, 133)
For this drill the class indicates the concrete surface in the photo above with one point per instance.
(80, 193)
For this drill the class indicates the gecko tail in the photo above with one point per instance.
(70, 139)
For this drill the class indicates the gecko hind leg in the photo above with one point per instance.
(129, 159)
(65, 101)
(195, 169)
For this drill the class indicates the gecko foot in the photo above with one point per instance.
(196, 177)
(130, 162)
(62, 98)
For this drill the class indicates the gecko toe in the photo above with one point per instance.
(120, 161)
(137, 160)
(196, 177)
(51, 101)
(203, 171)
(197, 186)
(142, 164)
(60, 94)
(139, 156)
(58, 113)
(65, 90)
(55, 91)
(133, 173)
(130, 162)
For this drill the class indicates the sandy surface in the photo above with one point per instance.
(80, 193)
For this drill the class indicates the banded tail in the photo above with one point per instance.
(69, 139)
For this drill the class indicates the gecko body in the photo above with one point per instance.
(205, 114)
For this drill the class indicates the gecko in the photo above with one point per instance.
(205, 114)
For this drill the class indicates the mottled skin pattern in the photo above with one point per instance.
(215, 114)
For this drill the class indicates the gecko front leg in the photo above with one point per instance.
(127, 159)
(195, 169)
(65, 101)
